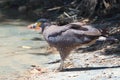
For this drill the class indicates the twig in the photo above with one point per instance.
(55, 8)
(67, 15)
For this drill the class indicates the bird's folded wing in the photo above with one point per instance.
(94, 32)
(73, 29)
(55, 30)
(86, 30)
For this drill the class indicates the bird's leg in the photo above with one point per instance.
(61, 67)
(63, 57)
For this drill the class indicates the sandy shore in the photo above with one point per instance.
(25, 58)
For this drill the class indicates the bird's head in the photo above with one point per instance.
(39, 24)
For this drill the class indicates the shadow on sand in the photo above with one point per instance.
(89, 68)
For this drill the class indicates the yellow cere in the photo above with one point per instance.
(38, 26)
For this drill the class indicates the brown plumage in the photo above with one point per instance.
(68, 37)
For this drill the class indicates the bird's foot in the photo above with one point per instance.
(58, 70)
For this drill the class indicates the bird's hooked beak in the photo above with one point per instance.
(35, 26)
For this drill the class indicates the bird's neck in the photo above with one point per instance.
(45, 25)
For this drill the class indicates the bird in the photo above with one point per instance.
(68, 37)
